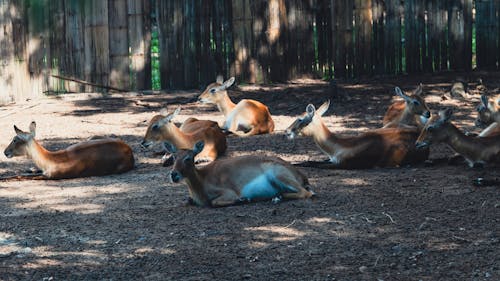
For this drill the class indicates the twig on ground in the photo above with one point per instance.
(389, 216)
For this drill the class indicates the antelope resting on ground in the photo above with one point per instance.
(489, 114)
(90, 158)
(412, 111)
(248, 117)
(161, 128)
(476, 150)
(381, 147)
(237, 180)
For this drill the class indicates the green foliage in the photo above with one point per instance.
(155, 61)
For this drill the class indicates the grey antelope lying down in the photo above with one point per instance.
(237, 180)
(387, 147)
(489, 115)
(412, 111)
(161, 128)
(90, 158)
(246, 118)
(477, 151)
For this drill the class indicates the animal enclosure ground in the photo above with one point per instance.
(426, 222)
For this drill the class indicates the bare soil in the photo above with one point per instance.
(425, 222)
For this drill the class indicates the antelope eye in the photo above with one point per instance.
(212, 91)
(416, 102)
(155, 127)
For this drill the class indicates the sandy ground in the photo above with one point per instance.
(410, 223)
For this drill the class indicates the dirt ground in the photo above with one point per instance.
(426, 222)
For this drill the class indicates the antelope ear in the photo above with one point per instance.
(198, 147)
(18, 131)
(484, 100)
(228, 83)
(170, 148)
(323, 108)
(401, 94)
(418, 91)
(219, 79)
(33, 128)
(177, 110)
(310, 109)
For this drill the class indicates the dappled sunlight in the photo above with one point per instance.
(278, 233)
(443, 245)
(150, 250)
(42, 263)
(355, 182)
(57, 198)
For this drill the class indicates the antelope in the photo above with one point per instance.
(382, 147)
(477, 151)
(236, 180)
(89, 158)
(246, 118)
(412, 111)
(489, 114)
(161, 128)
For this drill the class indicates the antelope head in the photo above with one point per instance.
(17, 146)
(415, 102)
(305, 122)
(435, 129)
(183, 160)
(158, 126)
(216, 92)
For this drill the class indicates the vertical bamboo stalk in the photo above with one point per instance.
(118, 44)
(363, 18)
(245, 67)
(96, 35)
(74, 43)
(6, 53)
(456, 34)
(378, 49)
(38, 45)
(139, 34)
(468, 21)
(56, 35)
(392, 36)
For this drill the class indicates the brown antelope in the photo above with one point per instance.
(476, 150)
(381, 147)
(236, 180)
(161, 128)
(412, 111)
(489, 115)
(90, 158)
(248, 117)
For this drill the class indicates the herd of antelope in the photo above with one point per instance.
(408, 130)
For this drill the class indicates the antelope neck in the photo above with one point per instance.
(178, 137)
(194, 181)
(226, 105)
(465, 145)
(42, 157)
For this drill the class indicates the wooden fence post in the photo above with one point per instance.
(119, 60)
(96, 40)
(139, 34)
